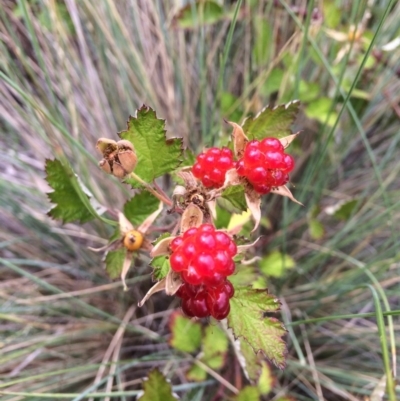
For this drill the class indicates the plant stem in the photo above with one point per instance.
(159, 196)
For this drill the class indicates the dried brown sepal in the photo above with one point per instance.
(112, 246)
(125, 268)
(285, 191)
(157, 287)
(105, 166)
(212, 207)
(191, 217)
(239, 139)
(188, 178)
(162, 247)
(118, 171)
(124, 145)
(173, 282)
(106, 146)
(124, 224)
(128, 160)
(244, 248)
(287, 140)
(253, 200)
(232, 178)
(143, 228)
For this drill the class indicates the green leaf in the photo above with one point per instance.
(215, 347)
(272, 122)
(156, 154)
(319, 110)
(316, 229)
(223, 217)
(198, 14)
(156, 388)
(235, 195)
(140, 206)
(246, 320)
(276, 263)
(248, 393)
(346, 209)
(196, 373)
(228, 112)
(273, 82)
(244, 275)
(72, 203)
(332, 13)
(266, 380)
(263, 40)
(186, 335)
(189, 158)
(114, 262)
(161, 267)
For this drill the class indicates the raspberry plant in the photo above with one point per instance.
(193, 261)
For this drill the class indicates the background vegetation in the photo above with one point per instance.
(73, 71)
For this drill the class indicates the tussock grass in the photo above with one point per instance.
(73, 71)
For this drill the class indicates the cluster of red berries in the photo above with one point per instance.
(203, 301)
(204, 258)
(211, 166)
(265, 164)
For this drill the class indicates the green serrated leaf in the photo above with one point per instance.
(262, 334)
(186, 335)
(215, 347)
(272, 122)
(248, 393)
(140, 206)
(156, 154)
(161, 266)
(235, 195)
(276, 263)
(114, 262)
(156, 388)
(70, 199)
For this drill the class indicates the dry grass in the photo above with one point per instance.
(73, 71)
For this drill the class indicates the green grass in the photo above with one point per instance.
(74, 71)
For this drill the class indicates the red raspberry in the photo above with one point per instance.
(203, 255)
(218, 302)
(211, 166)
(265, 164)
(202, 300)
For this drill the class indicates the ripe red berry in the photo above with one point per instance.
(187, 307)
(271, 144)
(211, 166)
(178, 261)
(265, 164)
(176, 243)
(218, 302)
(199, 305)
(203, 256)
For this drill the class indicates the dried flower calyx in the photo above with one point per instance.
(119, 158)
